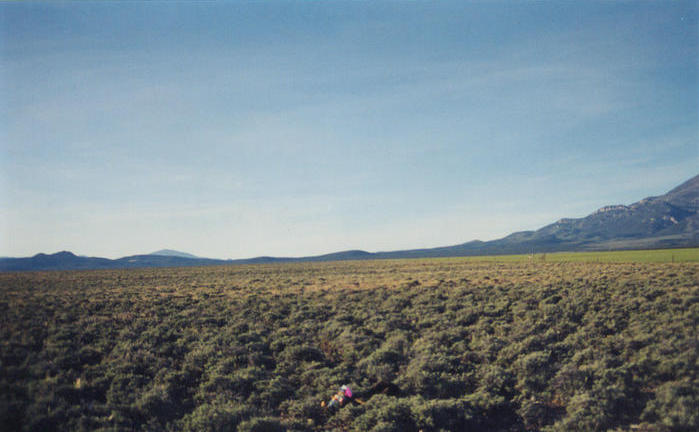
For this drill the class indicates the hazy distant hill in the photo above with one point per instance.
(670, 220)
(173, 253)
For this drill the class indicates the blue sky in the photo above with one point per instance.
(293, 128)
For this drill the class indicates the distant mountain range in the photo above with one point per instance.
(667, 221)
(69, 261)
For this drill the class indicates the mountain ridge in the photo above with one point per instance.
(665, 221)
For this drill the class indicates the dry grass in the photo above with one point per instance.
(161, 348)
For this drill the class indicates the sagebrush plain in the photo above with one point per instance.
(533, 343)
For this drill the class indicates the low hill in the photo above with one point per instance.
(59, 261)
(69, 261)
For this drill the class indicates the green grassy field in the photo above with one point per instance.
(629, 256)
(479, 344)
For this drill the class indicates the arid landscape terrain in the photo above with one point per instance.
(349, 216)
(537, 343)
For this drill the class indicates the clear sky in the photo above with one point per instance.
(292, 128)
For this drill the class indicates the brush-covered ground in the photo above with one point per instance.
(481, 346)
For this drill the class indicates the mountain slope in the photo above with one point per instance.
(670, 220)
(670, 216)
